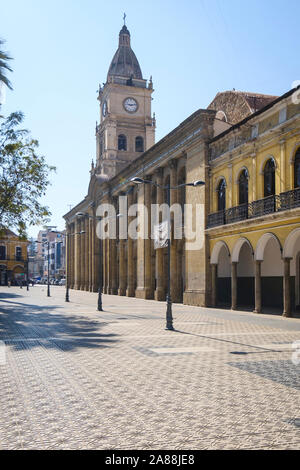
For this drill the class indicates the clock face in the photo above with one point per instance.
(130, 105)
(104, 109)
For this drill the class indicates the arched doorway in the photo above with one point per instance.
(221, 269)
(243, 255)
(291, 251)
(272, 274)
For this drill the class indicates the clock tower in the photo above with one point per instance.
(126, 127)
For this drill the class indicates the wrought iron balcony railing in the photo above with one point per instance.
(290, 199)
(265, 206)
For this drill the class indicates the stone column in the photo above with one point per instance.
(93, 287)
(77, 254)
(69, 258)
(214, 279)
(96, 252)
(130, 266)
(175, 294)
(86, 254)
(159, 253)
(122, 269)
(233, 285)
(82, 254)
(286, 288)
(257, 287)
(90, 284)
(113, 289)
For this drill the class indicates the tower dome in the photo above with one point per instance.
(125, 63)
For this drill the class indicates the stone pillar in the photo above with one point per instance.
(77, 254)
(214, 279)
(122, 268)
(160, 293)
(82, 254)
(93, 286)
(257, 287)
(144, 285)
(233, 285)
(96, 252)
(69, 258)
(175, 294)
(86, 254)
(113, 289)
(286, 288)
(130, 260)
(90, 284)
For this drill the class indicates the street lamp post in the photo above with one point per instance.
(168, 188)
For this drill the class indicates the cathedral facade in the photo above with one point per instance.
(227, 146)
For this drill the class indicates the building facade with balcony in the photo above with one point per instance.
(244, 147)
(13, 258)
(253, 224)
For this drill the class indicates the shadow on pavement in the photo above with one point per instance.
(25, 326)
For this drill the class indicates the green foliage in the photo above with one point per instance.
(4, 67)
(23, 177)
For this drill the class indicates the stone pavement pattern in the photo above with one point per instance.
(76, 378)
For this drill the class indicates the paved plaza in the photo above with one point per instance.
(75, 378)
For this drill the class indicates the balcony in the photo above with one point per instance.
(268, 205)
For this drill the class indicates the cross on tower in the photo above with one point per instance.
(124, 18)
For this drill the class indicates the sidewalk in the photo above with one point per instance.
(76, 378)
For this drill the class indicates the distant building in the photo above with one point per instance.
(13, 258)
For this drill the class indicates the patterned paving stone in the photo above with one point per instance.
(76, 378)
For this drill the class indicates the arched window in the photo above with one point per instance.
(139, 144)
(221, 195)
(269, 178)
(243, 187)
(297, 170)
(122, 142)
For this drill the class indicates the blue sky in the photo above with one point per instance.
(193, 49)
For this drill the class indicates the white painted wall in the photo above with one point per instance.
(245, 266)
(272, 264)
(224, 267)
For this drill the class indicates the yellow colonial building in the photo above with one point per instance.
(13, 258)
(244, 147)
(253, 226)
